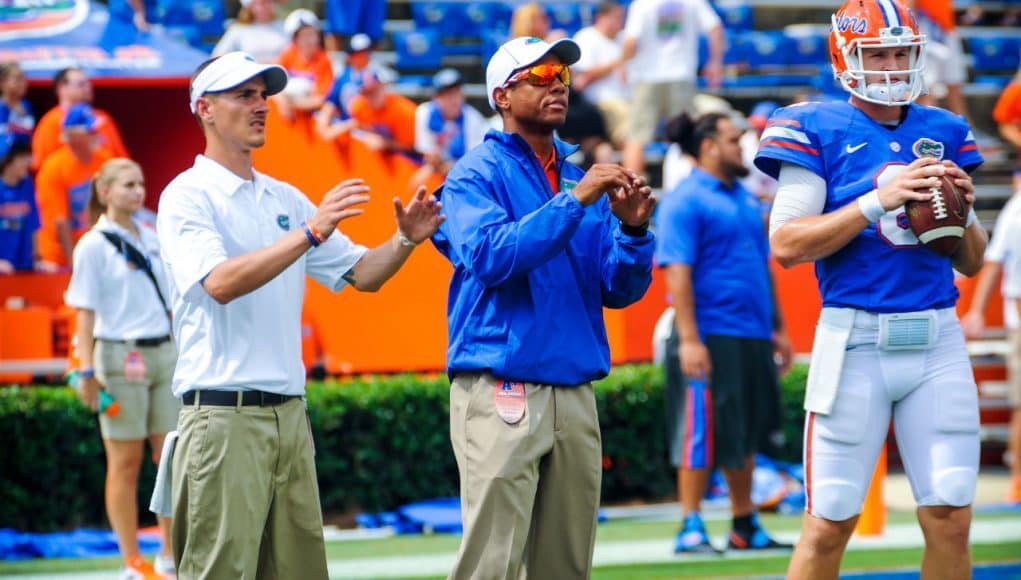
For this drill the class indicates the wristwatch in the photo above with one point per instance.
(634, 231)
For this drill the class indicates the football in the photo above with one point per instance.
(939, 223)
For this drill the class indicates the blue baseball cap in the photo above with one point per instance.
(80, 116)
(13, 143)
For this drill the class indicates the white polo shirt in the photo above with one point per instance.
(208, 214)
(1005, 248)
(122, 295)
(667, 33)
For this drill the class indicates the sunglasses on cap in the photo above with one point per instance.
(542, 75)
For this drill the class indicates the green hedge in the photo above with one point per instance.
(380, 442)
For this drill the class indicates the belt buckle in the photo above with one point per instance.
(262, 398)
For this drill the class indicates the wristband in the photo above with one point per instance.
(870, 206)
(405, 240)
(315, 232)
(309, 235)
(634, 231)
(972, 217)
(86, 373)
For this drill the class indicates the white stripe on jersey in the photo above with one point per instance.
(785, 133)
(890, 11)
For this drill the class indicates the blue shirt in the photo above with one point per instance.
(12, 121)
(884, 268)
(532, 269)
(718, 232)
(19, 220)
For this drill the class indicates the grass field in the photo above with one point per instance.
(614, 532)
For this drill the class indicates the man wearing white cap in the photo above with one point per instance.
(538, 249)
(238, 245)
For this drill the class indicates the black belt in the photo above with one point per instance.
(144, 342)
(230, 398)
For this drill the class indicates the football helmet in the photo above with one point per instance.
(865, 24)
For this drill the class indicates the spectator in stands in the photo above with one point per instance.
(309, 71)
(125, 348)
(531, 20)
(334, 120)
(19, 218)
(600, 74)
(64, 184)
(1004, 256)
(16, 114)
(723, 396)
(348, 18)
(385, 120)
(757, 182)
(256, 31)
(945, 68)
(661, 43)
(72, 87)
(446, 127)
(1007, 115)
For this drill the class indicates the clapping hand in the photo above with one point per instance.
(421, 218)
(633, 203)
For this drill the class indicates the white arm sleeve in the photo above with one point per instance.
(800, 193)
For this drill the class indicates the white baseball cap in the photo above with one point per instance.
(300, 17)
(521, 52)
(360, 41)
(233, 69)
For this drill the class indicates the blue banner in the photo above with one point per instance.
(45, 36)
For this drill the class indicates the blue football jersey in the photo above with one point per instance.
(885, 268)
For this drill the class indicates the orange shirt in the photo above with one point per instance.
(46, 138)
(550, 169)
(318, 70)
(395, 119)
(62, 188)
(939, 11)
(1008, 106)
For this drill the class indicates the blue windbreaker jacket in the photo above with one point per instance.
(532, 270)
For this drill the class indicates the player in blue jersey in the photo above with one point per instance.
(888, 343)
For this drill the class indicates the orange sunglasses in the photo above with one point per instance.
(542, 75)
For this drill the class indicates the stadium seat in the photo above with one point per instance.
(479, 16)
(994, 53)
(198, 22)
(807, 49)
(735, 14)
(765, 49)
(491, 41)
(418, 49)
(569, 16)
(446, 18)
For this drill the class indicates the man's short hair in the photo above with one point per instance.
(606, 6)
(60, 78)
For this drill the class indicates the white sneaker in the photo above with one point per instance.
(165, 565)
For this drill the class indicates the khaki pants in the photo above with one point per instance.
(246, 501)
(654, 102)
(529, 491)
(147, 407)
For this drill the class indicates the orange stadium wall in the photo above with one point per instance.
(402, 327)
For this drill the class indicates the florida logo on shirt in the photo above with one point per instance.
(284, 221)
(926, 147)
(43, 18)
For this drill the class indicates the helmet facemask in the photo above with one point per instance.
(882, 90)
